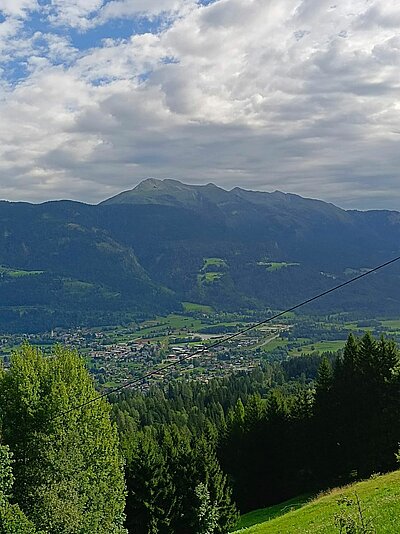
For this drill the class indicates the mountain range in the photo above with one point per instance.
(146, 250)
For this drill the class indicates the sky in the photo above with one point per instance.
(302, 96)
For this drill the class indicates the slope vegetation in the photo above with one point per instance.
(379, 499)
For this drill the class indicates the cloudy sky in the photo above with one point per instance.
(297, 95)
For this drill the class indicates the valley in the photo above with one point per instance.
(118, 354)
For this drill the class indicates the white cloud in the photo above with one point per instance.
(85, 14)
(150, 8)
(17, 8)
(299, 95)
(74, 13)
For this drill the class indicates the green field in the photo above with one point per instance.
(173, 322)
(272, 266)
(391, 324)
(353, 327)
(266, 514)
(209, 277)
(212, 270)
(192, 307)
(17, 273)
(380, 504)
(274, 344)
(214, 262)
(320, 346)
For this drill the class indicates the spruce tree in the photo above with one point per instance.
(209, 473)
(207, 513)
(151, 494)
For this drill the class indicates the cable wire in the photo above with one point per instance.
(227, 338)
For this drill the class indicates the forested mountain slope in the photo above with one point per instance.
(163, 242)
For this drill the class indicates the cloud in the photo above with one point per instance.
(379, 14)
(85, 14)
(148, 8)
(17, 8)
(74, 13)
(297, 95)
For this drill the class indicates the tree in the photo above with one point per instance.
(68, 470)
(210, 474)
(324, 378)
(12, 519)
(151, 494)
(207, 515)
(362, 406)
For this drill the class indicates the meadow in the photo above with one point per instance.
(379, 499)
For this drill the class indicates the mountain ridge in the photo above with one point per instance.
(155, 185)
(148, 247)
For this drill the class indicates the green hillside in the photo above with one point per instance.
(380, 505)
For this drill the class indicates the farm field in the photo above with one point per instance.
(320, 346)
(391, 324)
(270, 346)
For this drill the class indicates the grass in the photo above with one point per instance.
(266, 514)
(209, 277)
(320, 346)
(191, 307)
(380, 502)
(392, 324)
(175, 323)
(353, 326)
(214, 262)
(274, 344)
(212, 270)
(18, 273)
(277, 265)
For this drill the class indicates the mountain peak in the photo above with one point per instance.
(203, 198)
(148, 182)
(170, 192)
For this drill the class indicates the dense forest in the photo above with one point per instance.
(187, 458)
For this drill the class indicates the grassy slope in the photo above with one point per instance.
(380, 501)
(266, 514)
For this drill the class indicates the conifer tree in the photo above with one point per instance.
(207, 513)
(151, 495)
(323, 394)
(254, 412)
(209, 472)
(364, 399)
